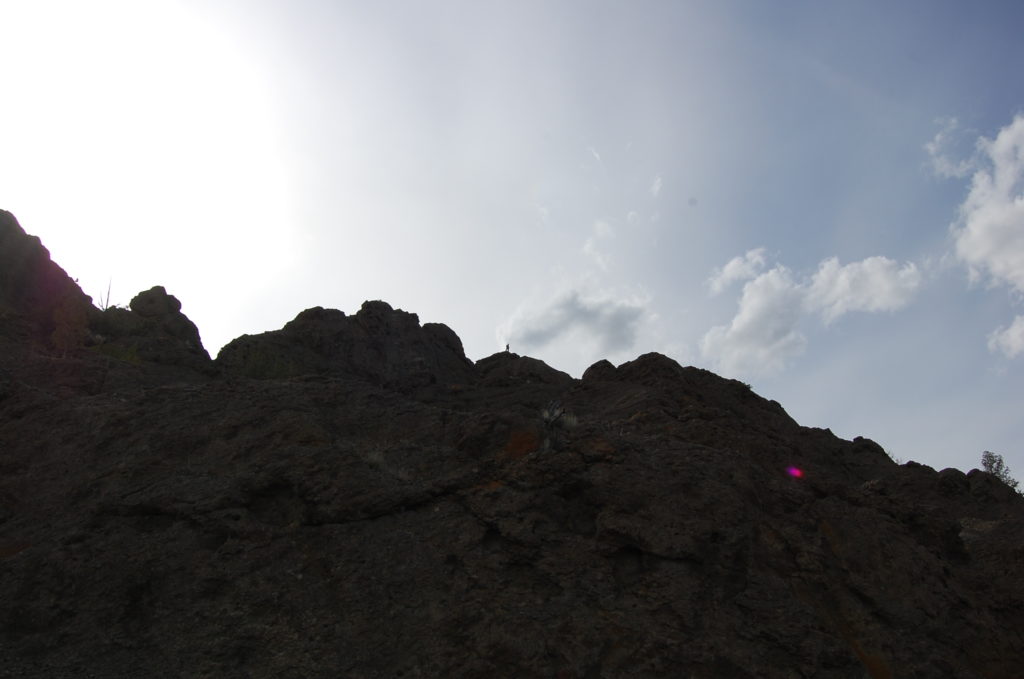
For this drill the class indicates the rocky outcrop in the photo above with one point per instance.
(37, 297)
(507, 369)
(379, 344)
(152, 330)
(382, 508)
(55, 336)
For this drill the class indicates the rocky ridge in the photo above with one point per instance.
(351, 496)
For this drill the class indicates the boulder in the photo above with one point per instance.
(155, 303)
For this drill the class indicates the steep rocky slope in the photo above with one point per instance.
(351, 497)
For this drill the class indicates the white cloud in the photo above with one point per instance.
(1009, 341)
(591, 250)
(938, 150)
(656, 186)
(594, 153)
(989, 234)
(763, 335)
(609, 322)
(872, 284)
(737, 269)
(602, 231)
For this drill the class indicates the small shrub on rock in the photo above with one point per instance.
(993, 464)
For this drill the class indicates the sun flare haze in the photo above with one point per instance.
(149, 145)
(822, 201)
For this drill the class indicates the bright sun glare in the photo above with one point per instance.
(143, 143)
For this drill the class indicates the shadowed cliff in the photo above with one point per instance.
(351, 496)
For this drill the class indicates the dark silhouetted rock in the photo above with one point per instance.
(602, 370)
(153, 332)
(35, 291)
(377, 506)
(379, 344)
(53, 335)
(506, 369)
(156, 303)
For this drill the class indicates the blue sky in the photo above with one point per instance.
(825, 200)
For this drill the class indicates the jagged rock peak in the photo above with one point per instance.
(47, 314)
(407, 513)
(379, 343)
(33, 286)
(153, 329)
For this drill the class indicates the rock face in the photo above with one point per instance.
(153, 330)
(350, 497)
(33, 289)
(47, 318)
(379, 344)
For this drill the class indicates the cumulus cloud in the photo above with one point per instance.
(1009, 341)
(872, 284)
(989, 234)
(989, 231)
(656, 186)
(939, 151)
(611, 323)
(764, 334)
(737, 269)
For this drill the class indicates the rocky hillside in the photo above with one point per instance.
(350, 496)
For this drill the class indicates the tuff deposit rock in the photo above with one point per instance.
(350, 497)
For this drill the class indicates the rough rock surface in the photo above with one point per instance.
(350, 497)
(33, 289)
(380, 344)
(54, 335)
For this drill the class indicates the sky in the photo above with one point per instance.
(824, 200)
